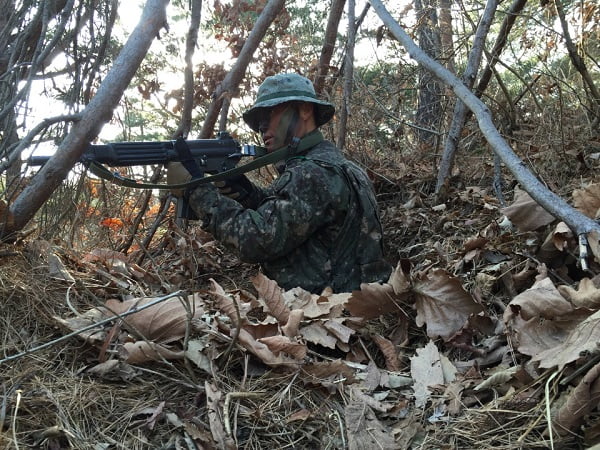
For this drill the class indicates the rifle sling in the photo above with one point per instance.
(308, 141)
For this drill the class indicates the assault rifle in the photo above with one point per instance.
(211, 156)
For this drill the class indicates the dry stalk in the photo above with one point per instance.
(14, 421)
(234, 395)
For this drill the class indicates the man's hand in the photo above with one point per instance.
(241, 189)
(177, 174)
(238, 188)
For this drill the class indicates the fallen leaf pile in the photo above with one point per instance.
(486, 324)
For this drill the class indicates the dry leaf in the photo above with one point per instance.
(195, 353)
(499, 378)
(328, 374)
(526, 213)
(584, 338)
(537, 335)
(392, 363)
(372, 300)
(364, 430)
(270, 291)
(586, 296)
(164, 322)
(541, 318)
(442, 304)
(301, 414)
(263, 352)
(399, 280)
(291, 328)
(284, 344)
(226, 303)
(340, 331)
(141, 351)
(587, 200)
(541, 300)
(316, 306)
(316, 333)
(581, 401)
(426, 370)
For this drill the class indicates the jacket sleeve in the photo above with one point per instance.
(303, 199)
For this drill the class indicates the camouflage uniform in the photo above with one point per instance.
(316, 226)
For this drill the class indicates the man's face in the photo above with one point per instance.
(274, 124)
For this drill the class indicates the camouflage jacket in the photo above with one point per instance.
(315, 226)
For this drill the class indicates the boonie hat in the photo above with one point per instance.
(287, 87)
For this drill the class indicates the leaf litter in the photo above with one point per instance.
(484, 336)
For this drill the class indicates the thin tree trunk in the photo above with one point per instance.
(429, 109)
(579, 64)
(237, 72)
(460, 109)
(94, 116)
(578, 222)
(335, 14)
(185, 125)
(515, 8)
(446, 34)
(348, 77)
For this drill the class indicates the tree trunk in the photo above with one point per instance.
(335, 14)
(429, 108)
(460, 109)
(185, 125)
(447, 34)
(94, 116)
(578, 222)
(348, 77)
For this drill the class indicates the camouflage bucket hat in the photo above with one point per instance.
(287, 87)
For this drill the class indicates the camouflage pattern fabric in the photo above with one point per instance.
(316, 226)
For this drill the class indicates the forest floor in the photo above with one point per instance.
(485, 330)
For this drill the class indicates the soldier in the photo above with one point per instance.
(317, 225)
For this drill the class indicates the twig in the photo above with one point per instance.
(92, 326)
(592, 362)
(14, 421)
(341, 424)
(548, 412)
(228, 398)
(236, 332)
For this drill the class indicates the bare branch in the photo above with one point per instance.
(237, 72)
